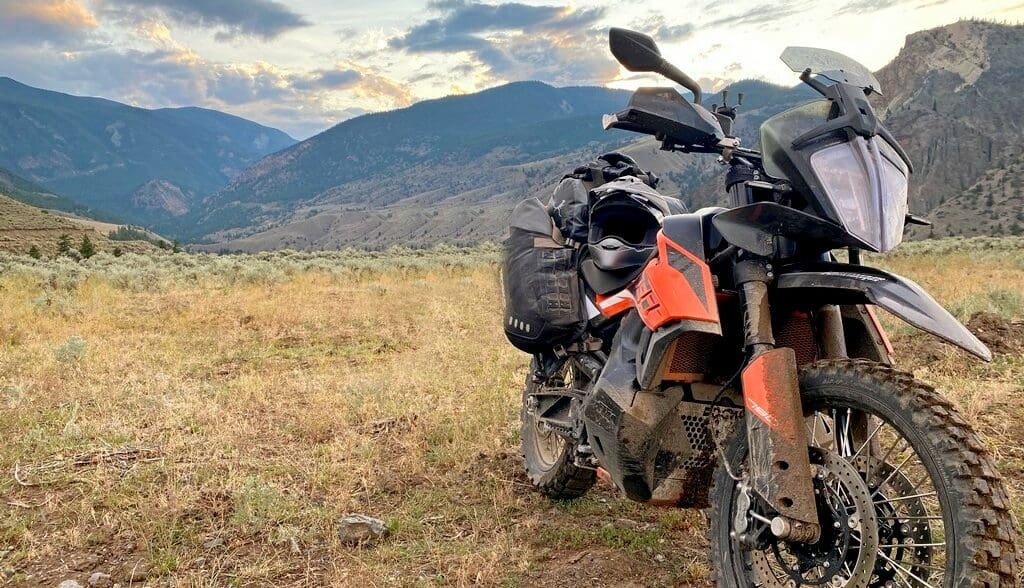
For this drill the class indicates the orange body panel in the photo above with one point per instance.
(676, 285)
(613, 304)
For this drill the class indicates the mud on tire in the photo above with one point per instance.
(975, 505)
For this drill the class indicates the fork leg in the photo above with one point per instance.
(779, 467)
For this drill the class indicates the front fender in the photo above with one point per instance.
(838, 283)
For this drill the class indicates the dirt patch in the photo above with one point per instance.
(1002, 336)
(599, 566)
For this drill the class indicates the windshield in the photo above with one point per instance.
(778, 132)
(829, 64)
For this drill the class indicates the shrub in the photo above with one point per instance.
(71, 351)
(34, 253)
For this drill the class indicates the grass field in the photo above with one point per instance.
(205, 421)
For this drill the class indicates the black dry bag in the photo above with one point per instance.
(543, 302)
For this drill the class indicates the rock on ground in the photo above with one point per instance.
(361, 529)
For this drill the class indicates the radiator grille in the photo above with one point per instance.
(797, 332)
(689, 357)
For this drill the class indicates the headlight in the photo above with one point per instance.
(867, 189)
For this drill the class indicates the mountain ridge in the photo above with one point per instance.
(100, 152)
(426, 202)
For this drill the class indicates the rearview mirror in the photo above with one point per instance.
(638, 52)
(635, 51)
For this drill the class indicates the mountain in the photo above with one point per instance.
(146, 166)
(953, 100)
(431, 149)
(445, 170)
(450, 170)
(31, 193)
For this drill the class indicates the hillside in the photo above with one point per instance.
(949, 98)
(146, 166)
(31, 193)
(433, 149)
(952, 98)
(449, 183)
(23, 227)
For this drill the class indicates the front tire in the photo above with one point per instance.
(943, 513)
(549, 457)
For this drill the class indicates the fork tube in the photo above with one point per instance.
(779, 465)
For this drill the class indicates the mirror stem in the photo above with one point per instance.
(673, 73)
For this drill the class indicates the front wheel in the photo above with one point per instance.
(907, 494)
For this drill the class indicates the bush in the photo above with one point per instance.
(71, 351)
(34, 253)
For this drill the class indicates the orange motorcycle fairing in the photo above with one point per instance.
(676, 285)
(614, 304)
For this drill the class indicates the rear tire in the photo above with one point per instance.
(977, 539)
(550, 458)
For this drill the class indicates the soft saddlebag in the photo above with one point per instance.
(543, 302)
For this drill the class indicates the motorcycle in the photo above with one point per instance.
(742, 368)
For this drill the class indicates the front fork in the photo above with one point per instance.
(779, 466)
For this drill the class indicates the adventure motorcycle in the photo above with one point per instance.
(733, 362)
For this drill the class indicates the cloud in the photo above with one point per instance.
(870, 6)
(35, 22)
(263, 19)
(335, 79)
(760, 15)
(515, 41)
(299, 102)
(658, 27)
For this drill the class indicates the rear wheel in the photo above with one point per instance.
(549, 457)
(908, 495)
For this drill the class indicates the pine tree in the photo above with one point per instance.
(34, 253)
(64, 244)
(87, 249)
(118, 252)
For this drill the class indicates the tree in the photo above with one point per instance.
(118, 252)
(34, 253)
(64, 244)
(87, 249)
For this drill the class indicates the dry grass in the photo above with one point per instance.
(210, 430)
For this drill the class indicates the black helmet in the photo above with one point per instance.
(624, 225)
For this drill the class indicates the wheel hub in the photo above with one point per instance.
(845, 553)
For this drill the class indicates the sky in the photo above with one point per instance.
(306, 65)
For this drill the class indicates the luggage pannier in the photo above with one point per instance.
(543, 301)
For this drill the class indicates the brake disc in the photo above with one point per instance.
(845, 555)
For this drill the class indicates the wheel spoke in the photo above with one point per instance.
(905, 570)
(892, 474)
(911, 497)
(868, 468)
(868, 441)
